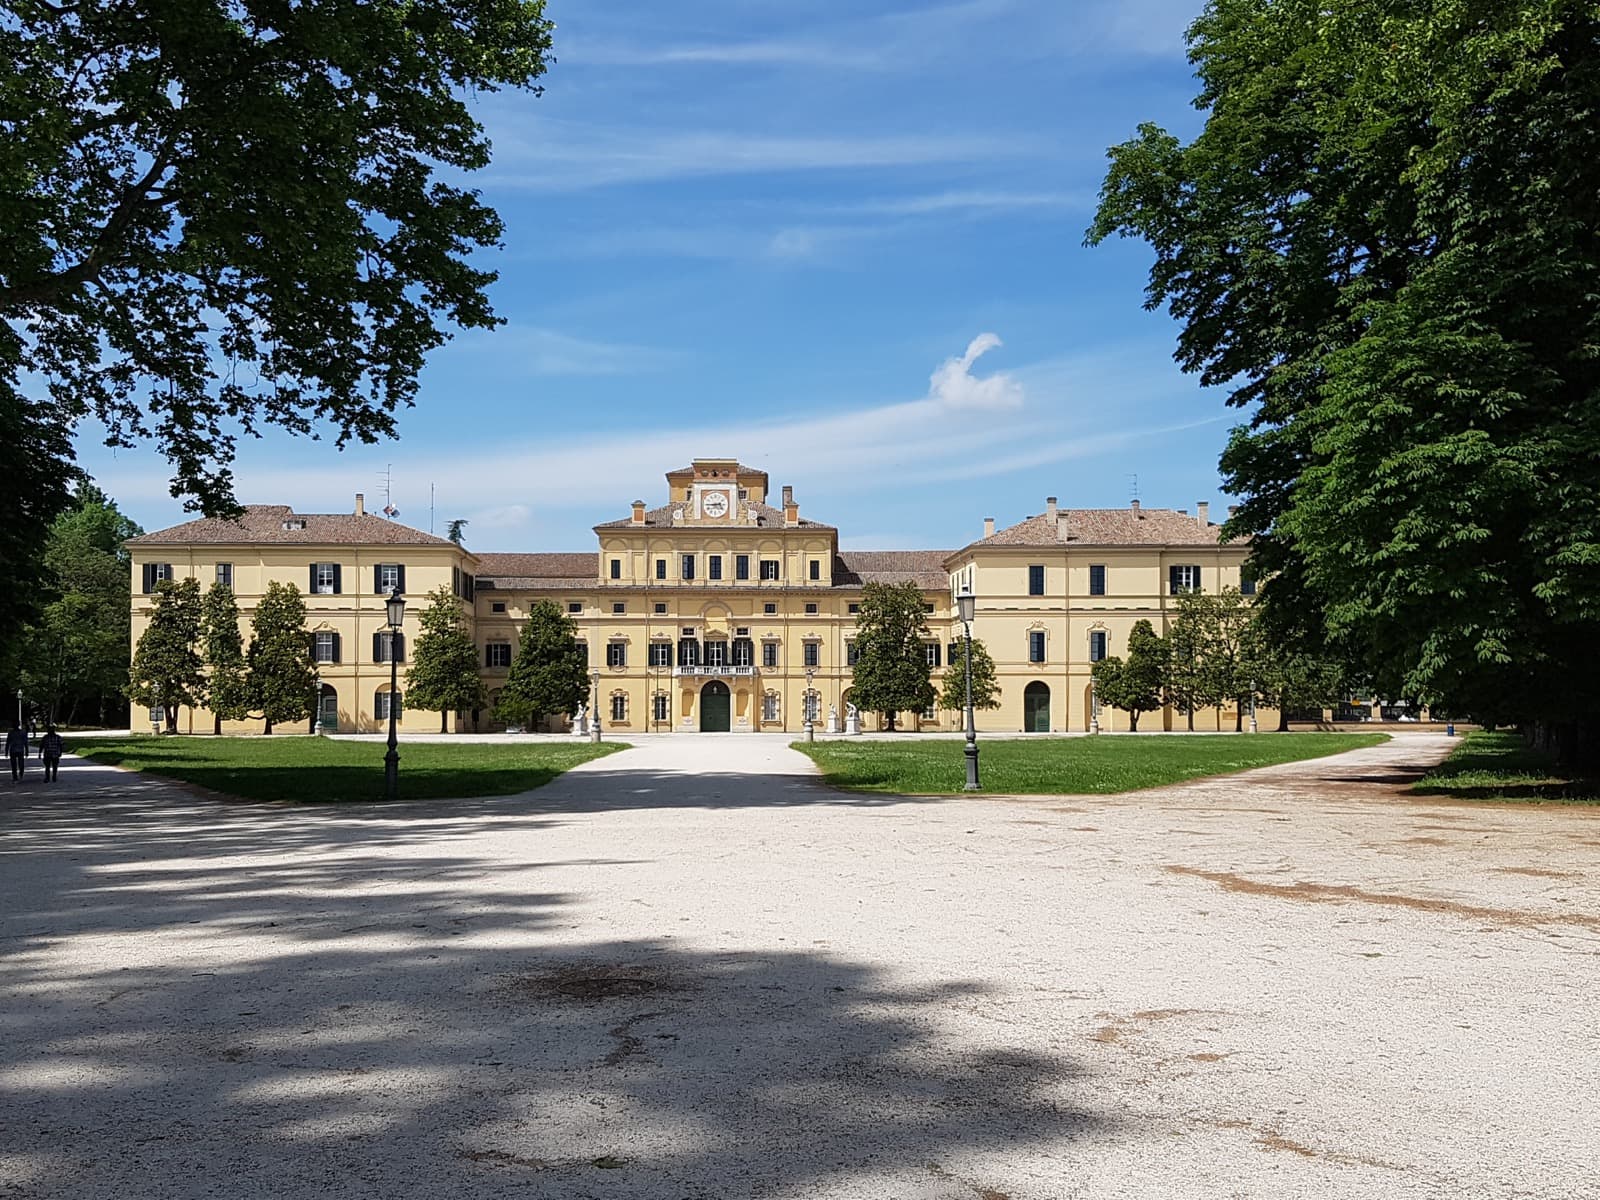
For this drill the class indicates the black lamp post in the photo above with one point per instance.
(594, 706)
(396, 605)
(967, 606)
(811, 705)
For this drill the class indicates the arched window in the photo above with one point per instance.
(381, 701)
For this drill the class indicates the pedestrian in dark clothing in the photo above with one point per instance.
(50, 748)
(17, 748)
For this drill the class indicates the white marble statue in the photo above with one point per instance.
(852, 720)
(833, 719)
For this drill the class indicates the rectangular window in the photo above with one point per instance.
(741, 566)
(716, 653)
(769, 610)
(660, 707)
(928, 608)
(225, 574)
(931, 649)
(154, 573)
(688, 652)
(1097, 579)
(661, 568)
(381, 702)
(661, 610)
(1036, 645)
(931, 713)
(769, 654)
(1097, 645)
(619, 708)
(1182, 579)
(816, 568)
(953, 650)
(1036, 580)
(769, 568)
(813, 654)
(324, 646)
(574, 606)
(386, 577)
(714, 566)
(618, 609)
(660, 654)
(852, 654)
(499, 606)
(769, 707)
(616, 568)
(616, 654)
(811, 610)
(688, 566)
(855, 610)
(497, 654)
(744, 652)
(325, 579)
(388, 646)
(1247, 582)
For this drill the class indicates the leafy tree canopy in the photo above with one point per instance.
(1383, 241)
(550, 676)
(1134, 684)
(891, 674)
(443, 675)
(279, 658)
(985, 688)
(221, 214)
(166, 662)
(227, 682)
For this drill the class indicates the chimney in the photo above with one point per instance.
(361, 505)
(638, 512)
(1050, 508)
(791, 510)
(788, 495)
(988, 527)
(1137, 515)
(1202, 509)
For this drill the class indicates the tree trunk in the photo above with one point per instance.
(444, 721)
(172, 718)
(1238, 716)
(216, 724)
(1575, 745)
(268, 725)
(1283, 719)
(889, 721)
(1133, 721)
(1191, 718)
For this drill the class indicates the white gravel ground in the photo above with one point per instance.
(688, 971)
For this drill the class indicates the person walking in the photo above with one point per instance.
(50, 747)
(17, 748)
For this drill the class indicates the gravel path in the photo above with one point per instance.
(689, 971)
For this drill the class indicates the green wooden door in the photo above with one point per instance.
(716, 708)
(1036, 708)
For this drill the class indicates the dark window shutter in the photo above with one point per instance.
(311, 589)
(338, 582)
(377, 579)
(335, 657)
(399, 646)
(1172, 581)
(377, 645)
(149, 577)
(400, 577)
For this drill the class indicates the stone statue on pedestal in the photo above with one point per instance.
(833, 719)
(852, 719)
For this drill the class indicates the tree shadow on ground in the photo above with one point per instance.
(270, 1005)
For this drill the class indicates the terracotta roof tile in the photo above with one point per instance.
(1107, 527)
(537, 570)
(263, 524)
(925, 568)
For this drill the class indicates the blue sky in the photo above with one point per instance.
(841, 241)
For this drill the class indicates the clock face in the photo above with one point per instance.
(714, 504)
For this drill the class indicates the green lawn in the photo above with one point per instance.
(1065, 766)
(1501, 766)
(316, 770)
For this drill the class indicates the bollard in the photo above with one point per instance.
(1450, 729)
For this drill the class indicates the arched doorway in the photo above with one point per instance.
(1036, 708)
(716, 708)
(328, 709)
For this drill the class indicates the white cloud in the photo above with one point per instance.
(530, 350)
(772, 52)
(955, 388)
(959, 202)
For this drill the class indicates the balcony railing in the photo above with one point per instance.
(710, 671)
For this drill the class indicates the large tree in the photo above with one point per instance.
(443, 674)
(166, 663)
(1133, 684)
(1383, 241)
(550, 675)
(1189, 681)
(74, 656)
(282, 679)
(892, 674)
(217, 215)
(227, 681)
(985, 688)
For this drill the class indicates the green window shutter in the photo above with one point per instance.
(377, 645)
(311, 588)
(338, 581)
(400, 577)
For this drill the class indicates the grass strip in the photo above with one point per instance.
(1502, 767)
(1065, 766)
(328, 771)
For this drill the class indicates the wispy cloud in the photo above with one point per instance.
(528, 350)
(804, 52)
(964, 203)
(560, 156)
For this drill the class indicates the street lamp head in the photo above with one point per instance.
(966, 605)
(396, 604)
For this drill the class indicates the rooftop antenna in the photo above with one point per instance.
(1133, 487)
(430, 508)
(389, 510)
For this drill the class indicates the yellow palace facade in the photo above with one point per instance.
(717, 611)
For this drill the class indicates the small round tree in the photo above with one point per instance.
(443, 675)
(550, 674)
